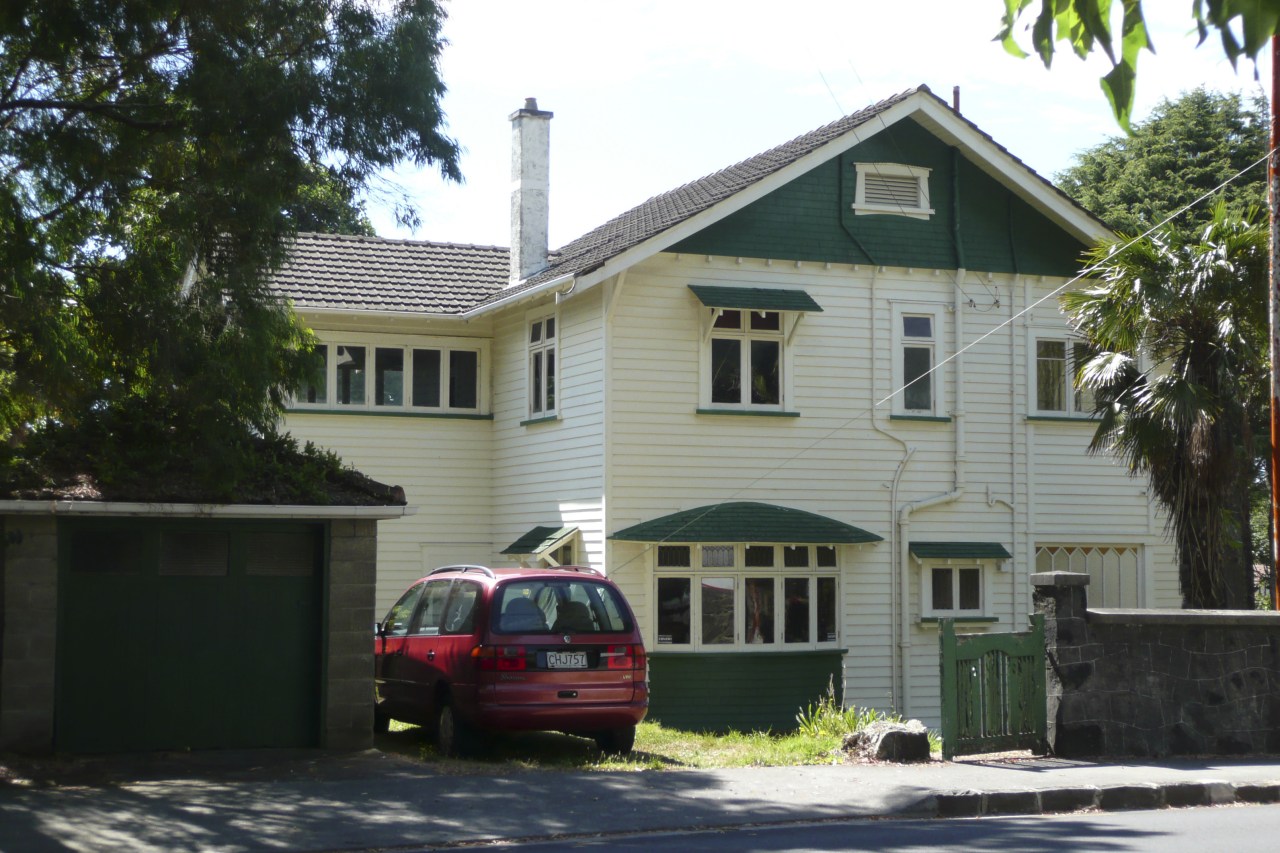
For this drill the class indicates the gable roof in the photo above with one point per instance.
(375, 274)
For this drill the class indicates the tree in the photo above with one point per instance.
(1243, 27)
(155, 157)
(1180, 329)
(1183, 150)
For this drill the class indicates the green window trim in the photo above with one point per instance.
(535, 421)
(1063, 419)
(748, 413)
(754, 298)
(375, 413)
(932, 419)
(934, 620)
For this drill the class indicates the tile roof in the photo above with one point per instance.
(377, 274)
(372, 273)
(671, 208)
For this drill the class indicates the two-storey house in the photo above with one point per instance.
(800, 409)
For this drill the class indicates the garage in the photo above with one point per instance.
(188, 634)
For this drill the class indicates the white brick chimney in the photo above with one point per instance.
(530, 181)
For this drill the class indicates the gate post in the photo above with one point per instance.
(948, 666)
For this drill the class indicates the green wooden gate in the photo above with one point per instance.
(993, 690)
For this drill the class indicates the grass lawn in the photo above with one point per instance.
(657, 748)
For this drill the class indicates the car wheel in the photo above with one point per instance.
(453, 735)
(617, 741)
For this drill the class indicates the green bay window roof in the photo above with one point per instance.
(754, 298)
(539, 540)
(745, 521)
(960, 551)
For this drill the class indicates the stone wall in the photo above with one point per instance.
(29, 573)
(348, 684)
(1157, 682)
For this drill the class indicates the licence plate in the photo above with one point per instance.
(566, 660)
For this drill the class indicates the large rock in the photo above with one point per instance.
(885, 741)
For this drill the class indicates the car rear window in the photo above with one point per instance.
(556, 606)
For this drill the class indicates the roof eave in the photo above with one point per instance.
(181, 510)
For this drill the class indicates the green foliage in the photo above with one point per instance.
(1183, 150)
(828, 718)
(1180, 328)
(1243, 28)
(155, 159)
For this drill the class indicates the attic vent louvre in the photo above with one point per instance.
(892, 188)
(898, 192)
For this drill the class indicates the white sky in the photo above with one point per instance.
(650, 94)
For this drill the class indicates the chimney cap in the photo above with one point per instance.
(530, 109)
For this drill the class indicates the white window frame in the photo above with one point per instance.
(892, 171)
(1077, 403)
(935, 344)
(739, 572)
(539, 406)
(371, 344)
(744, 334)
(927, 608)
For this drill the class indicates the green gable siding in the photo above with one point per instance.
(741, 691)
(810, 219)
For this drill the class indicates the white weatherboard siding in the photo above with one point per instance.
(551, 473)
(1021, 480)
(444, 466)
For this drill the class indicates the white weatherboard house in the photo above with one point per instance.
(688, 399)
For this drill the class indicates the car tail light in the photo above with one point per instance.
(625, 657)
(500, 658)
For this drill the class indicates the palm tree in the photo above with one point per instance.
(1179, 377)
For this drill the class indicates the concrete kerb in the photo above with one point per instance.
(1106, 798)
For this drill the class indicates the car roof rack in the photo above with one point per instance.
(463, 569)
(583, 569)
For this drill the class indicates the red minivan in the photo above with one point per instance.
(470, 648)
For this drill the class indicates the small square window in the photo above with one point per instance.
(953, 591)
(717, 556)
(795, 557)
(826, 556)
(673, 556)
(760, 557)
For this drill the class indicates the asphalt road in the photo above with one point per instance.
(1240, 829)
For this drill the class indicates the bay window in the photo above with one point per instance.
(443, 379)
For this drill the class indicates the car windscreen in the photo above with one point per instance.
(559, 606)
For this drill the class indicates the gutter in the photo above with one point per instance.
(177, 510)
(556, 285)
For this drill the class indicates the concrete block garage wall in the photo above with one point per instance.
(1157, 682)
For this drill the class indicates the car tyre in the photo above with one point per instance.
(453, 734)
(617, 741)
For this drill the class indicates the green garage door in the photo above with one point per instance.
(193, 634)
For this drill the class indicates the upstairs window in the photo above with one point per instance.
(1058, 361)
(892, 188)
(403, 378)
(746, 359)
(542, 367)
(917, 340)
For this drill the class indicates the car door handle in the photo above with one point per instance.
(431, 655)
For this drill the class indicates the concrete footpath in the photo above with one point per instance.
(310, 801)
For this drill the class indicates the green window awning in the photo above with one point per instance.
(960, 550)
(754, 298)
(745, 521)
(539, 540)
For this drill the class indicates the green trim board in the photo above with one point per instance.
(747, 413)
(932, 419)
(960, 550)
(740, 691)
(746, 521)
(539, 539)
(754, 298)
